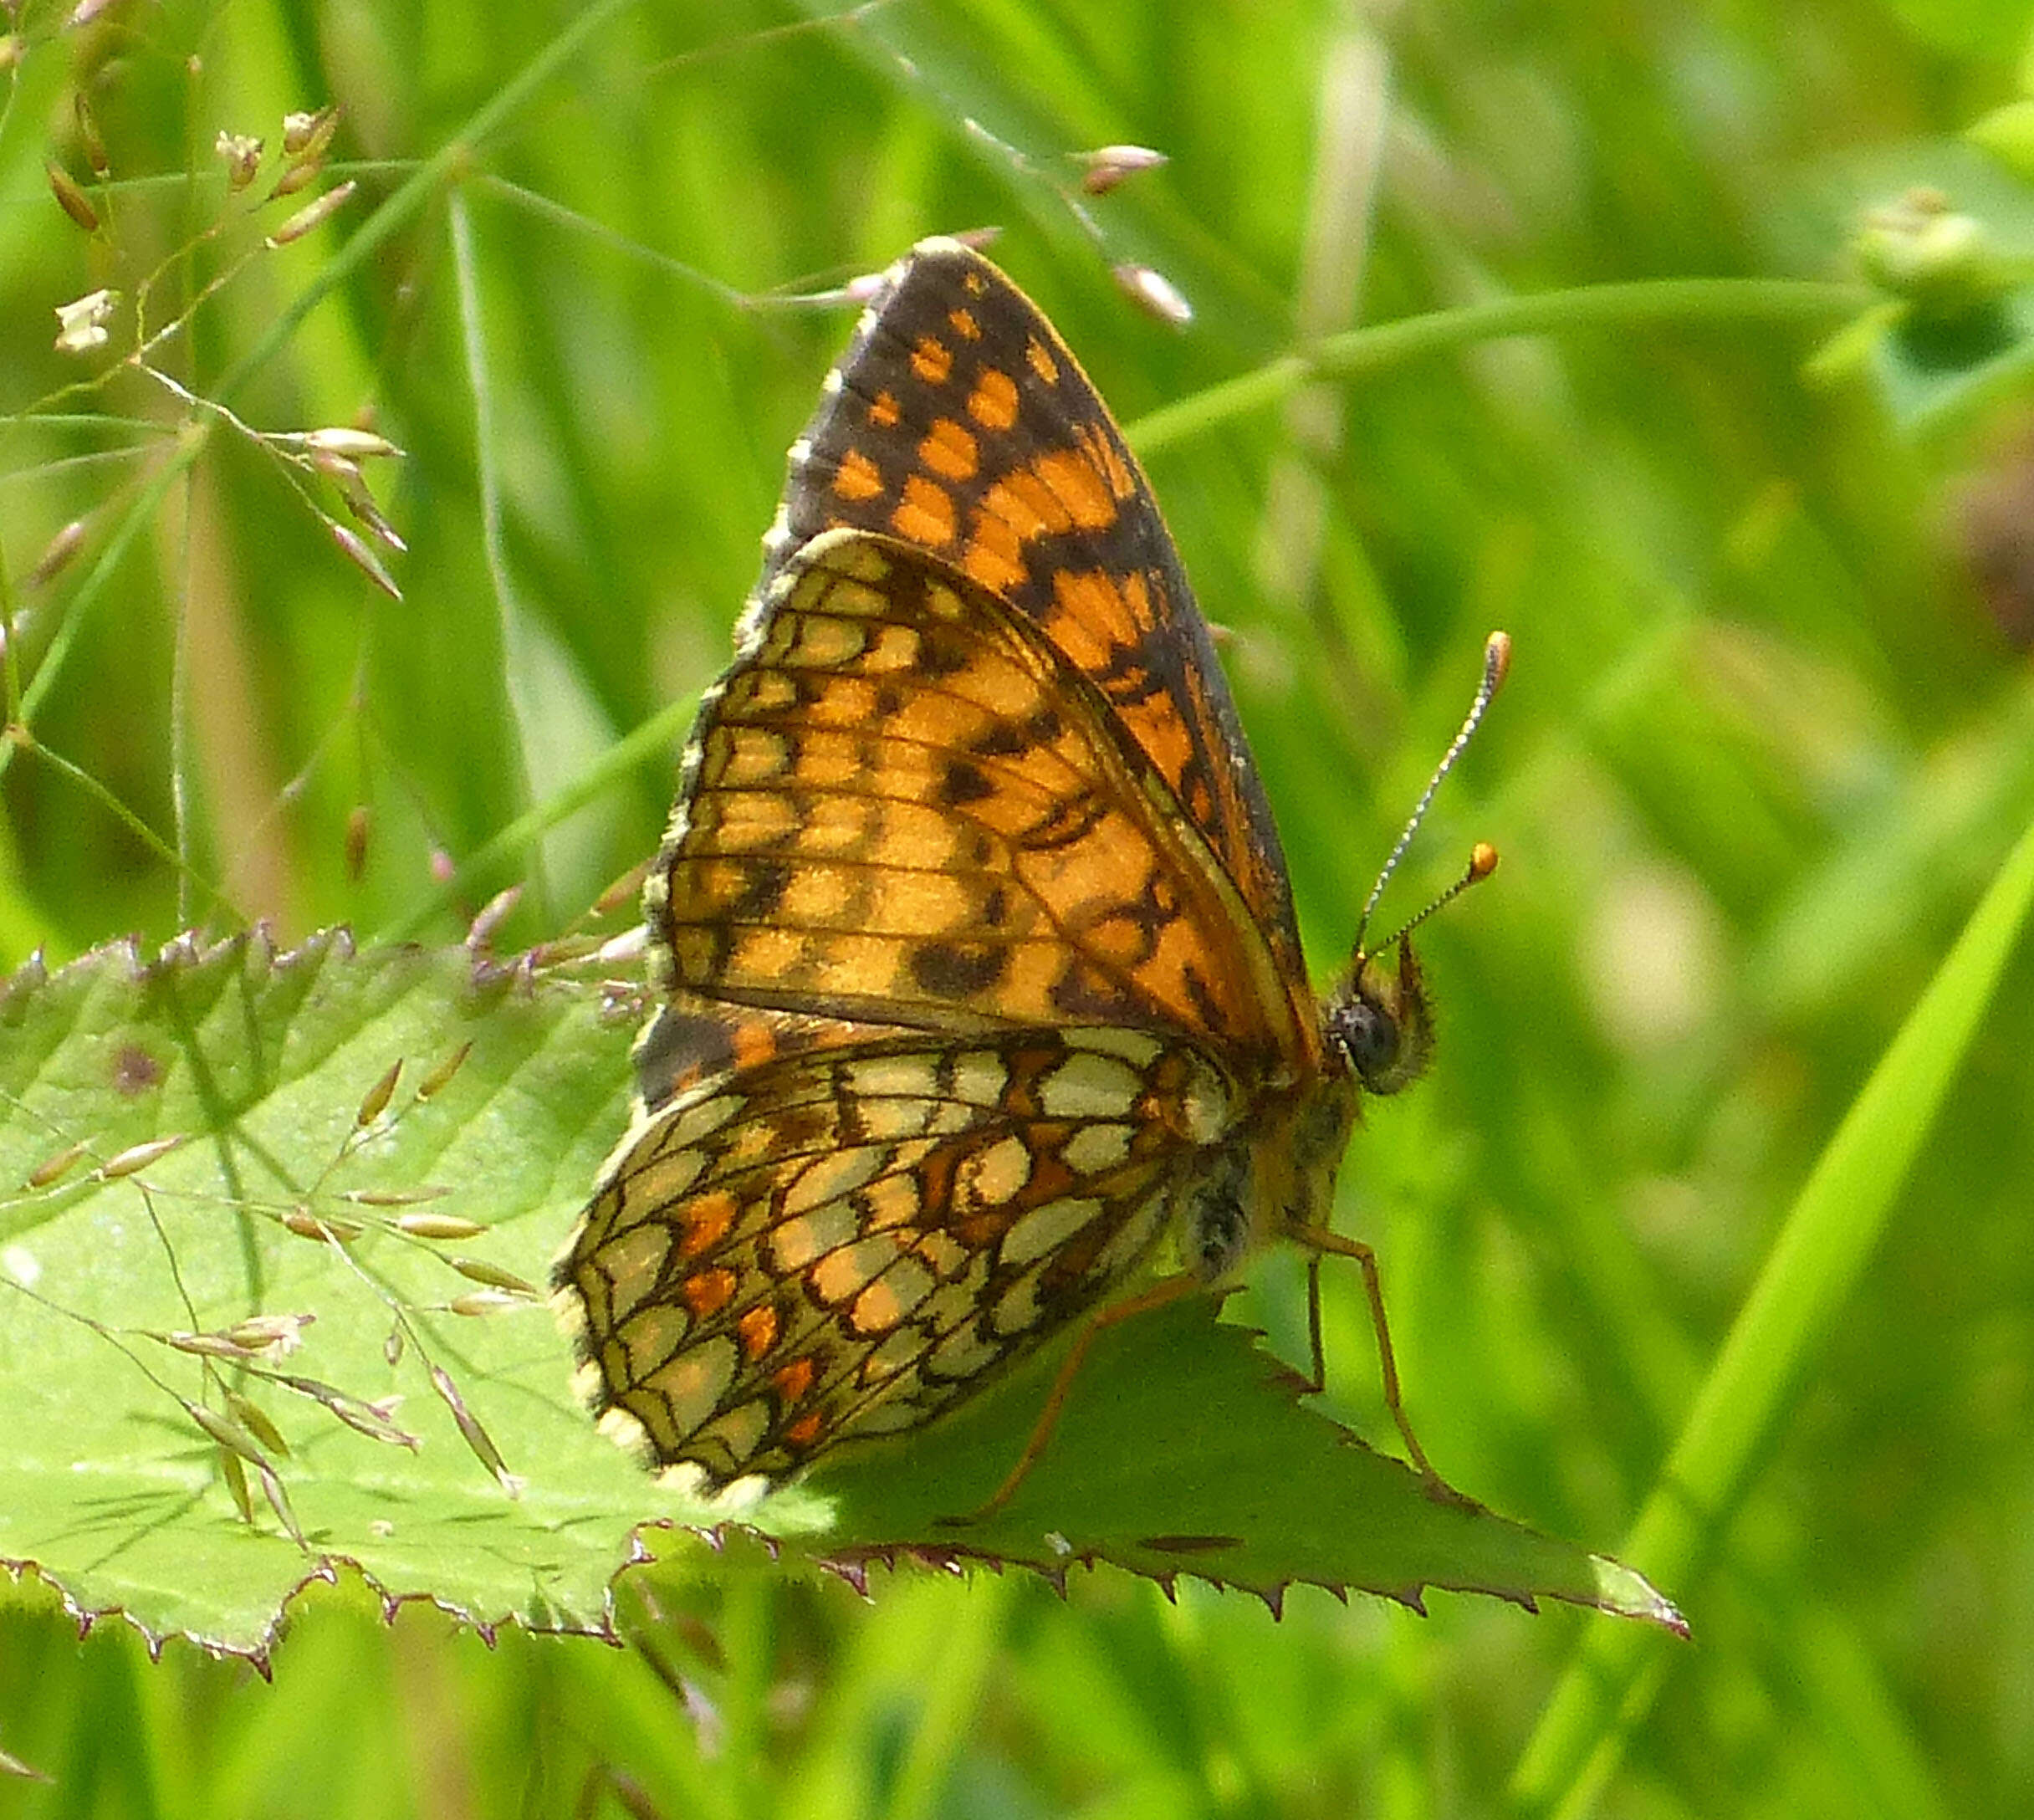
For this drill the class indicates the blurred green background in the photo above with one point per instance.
(1770, 732)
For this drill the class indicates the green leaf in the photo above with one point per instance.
(1182, 1450)
(110, 1486)
(273, 1310)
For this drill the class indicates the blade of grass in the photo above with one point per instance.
(1829, 1237)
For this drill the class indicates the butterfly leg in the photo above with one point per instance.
(1168, 1289)
(1321, 1242)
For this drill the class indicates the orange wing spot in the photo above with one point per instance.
(964, 325)
(806, 1429)
(1092, 620)
(932, 360)
(794, 1380)
(754, 1042)
(1042, 362)
(707, 1220)
(1106, 457)
(994, 555)
(993, 404)
(883, 412)
(974, 284)
(857, 477)
(707, 1292)
(1078, 483)
(949, 450)
(925, 514)
(759, 1331)
(1028, 506)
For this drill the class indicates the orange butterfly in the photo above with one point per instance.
(980, 980)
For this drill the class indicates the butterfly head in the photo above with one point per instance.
(1379, 1023)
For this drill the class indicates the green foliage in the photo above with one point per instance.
(1765, 747)
(237, 1275)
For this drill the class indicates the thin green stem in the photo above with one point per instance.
(408, 198)
(141, 511)
(656, 737)
(125, 816)
(1592, 306)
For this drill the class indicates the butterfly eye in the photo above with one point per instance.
(1368, 1036)
(1381, 1022)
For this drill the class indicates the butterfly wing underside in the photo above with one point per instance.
(958, 421)
(843, 1242)
(902, 807)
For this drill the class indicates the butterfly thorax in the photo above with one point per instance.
(1278, 1172)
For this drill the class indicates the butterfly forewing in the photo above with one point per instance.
(840, 1244)
(902, 805)
(958, 421)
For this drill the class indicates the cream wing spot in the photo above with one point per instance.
(993, 1176)
(624, 1429)
(748, 757)
(979, 1078)
(1016, 1309)
(691, 1382)
(830, 1178)
(1134, 1237)
(961, 1356)
(892, 1296)
(892, 1417)
(893, 1201)
(914, 1077)
(795, 1243)
(690, 1121)
(886, 1121)
(1091, 1086)
(946, 1255)
(1094, 1148)
(895, 1354)
(846, 1272)
(740, 1430)
(652, 1336)
(630, 1263)
(1139, 1048)
(1045, 1229)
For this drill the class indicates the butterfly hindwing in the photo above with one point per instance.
(840, 1243)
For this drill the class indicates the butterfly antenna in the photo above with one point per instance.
(1483, 860)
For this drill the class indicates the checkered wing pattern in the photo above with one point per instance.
(904, 806)
(845, 1242)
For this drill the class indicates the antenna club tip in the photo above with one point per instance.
(1497, 657)
(1482, 862)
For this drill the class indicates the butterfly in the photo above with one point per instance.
(981, 1008)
